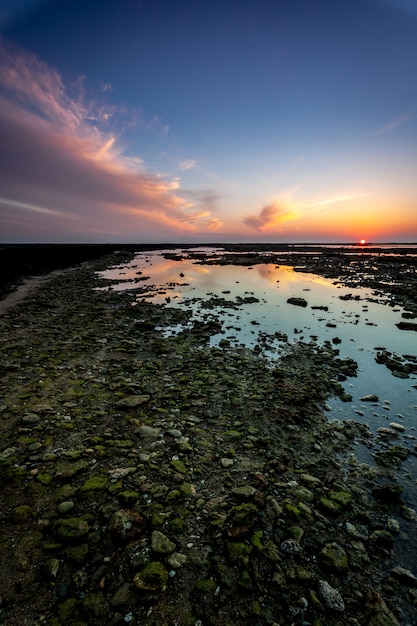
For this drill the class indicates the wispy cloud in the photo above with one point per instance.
(63, 166)
(335, 200)
(188, 164)
(398, 121)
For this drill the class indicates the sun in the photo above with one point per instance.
(362, 242)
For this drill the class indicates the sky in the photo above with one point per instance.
(208, 121)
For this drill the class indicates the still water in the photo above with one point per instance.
(251, 301)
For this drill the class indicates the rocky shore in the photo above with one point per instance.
(147, 479)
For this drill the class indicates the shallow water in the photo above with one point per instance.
(355, 326)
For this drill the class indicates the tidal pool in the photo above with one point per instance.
(251, 302)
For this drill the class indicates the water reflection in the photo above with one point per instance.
(355, 320)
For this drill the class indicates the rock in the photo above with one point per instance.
(153, 577)
(132, 402)
(161, 544)
(297, 302)
(177, 559)
(397, 426)
(126, 524)
(71, 529)
(123, 596)
(382, 616)
(50, 568)
(334, 556)
(331, 597)
(369, 398)
(404, 576)
(291, 546)
(406, 326)
(65, 507)
(245, 492)
(388, 492)
(147, 432)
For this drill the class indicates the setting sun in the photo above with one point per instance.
(362, 242)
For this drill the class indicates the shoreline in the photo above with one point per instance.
(157, 481)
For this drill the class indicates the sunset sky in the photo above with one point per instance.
(208, 120)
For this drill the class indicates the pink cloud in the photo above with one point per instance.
(270, 218)
(63, 174)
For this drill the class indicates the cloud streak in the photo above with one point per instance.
(397, 122)
(63, 171)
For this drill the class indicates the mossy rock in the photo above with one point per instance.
(233, 434)
(331, 506)
(256, 540)
(334, 556)
(188, 490)
(244, 514)
(95, 604)
(239, 552)
(128, 498)
(161, 544)
(205, 585)
(293, 511)
(153, 577)
(44, 478)
(179, 466)
(21, 513)
(71, 529)
(94, 483)
(66, 609)
(77, 554)
(344, 498)
(177, 525)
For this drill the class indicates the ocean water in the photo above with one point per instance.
(251, 302)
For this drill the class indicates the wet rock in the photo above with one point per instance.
(388, 492)
(331, 597)
(369, 398)
(404, 576)
(297, 301)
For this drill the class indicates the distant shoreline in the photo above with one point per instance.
(21, 260)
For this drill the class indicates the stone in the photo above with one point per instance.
(125, 524)
(334, 556)
(297, 302)
(132, 402)
(369, 398)
(388, 492)
(147, 432)
(153, 577)
(245, 492)
(65, 507)
(161, 544)
(404, 576)
(331, 597)
(71, 529)
(177, 559)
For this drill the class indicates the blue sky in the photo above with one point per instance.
(204, 120)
